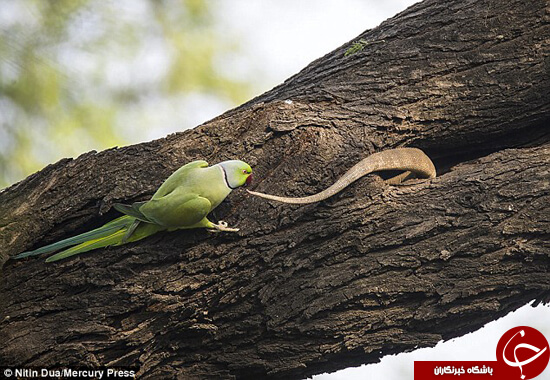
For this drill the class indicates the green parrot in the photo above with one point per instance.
(183, 201)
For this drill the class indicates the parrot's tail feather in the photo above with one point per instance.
(113, 239)
(105, 230)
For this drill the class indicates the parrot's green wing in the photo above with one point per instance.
(178, 178)
(177, 209)
(194, 165)
(130, 231)
(132, 210)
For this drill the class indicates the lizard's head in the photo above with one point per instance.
(237, 173)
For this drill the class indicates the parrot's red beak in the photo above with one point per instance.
(248, 180)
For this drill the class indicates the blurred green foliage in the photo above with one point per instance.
(77, 75)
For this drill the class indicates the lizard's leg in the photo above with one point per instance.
(400, 178)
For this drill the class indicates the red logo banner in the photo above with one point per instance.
(522, 354)
(427, 370)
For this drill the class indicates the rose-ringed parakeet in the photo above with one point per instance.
(183, 201)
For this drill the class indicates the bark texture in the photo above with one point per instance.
(300, 290)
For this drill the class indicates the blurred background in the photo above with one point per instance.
(77, 75)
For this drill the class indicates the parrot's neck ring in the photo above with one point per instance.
(225, 178)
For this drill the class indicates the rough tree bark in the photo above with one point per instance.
(304, 289)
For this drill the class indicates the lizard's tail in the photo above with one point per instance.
(406, 159)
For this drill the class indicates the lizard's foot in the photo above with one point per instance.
(411, 182)
(222, 227)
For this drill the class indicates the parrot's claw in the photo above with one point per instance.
(222, 226)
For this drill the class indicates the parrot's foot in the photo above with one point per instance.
(222, 227)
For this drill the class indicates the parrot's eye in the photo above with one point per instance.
(244, 171)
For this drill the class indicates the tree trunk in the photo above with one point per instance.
(375, 270)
